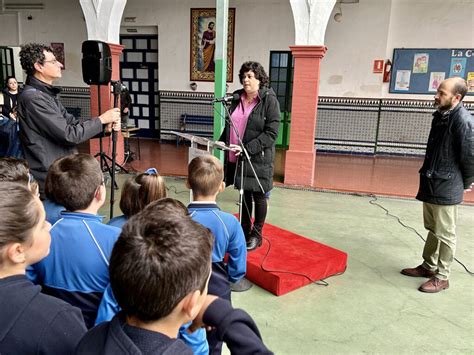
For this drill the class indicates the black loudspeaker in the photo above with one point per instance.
(96, 62)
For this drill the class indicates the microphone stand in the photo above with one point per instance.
(116, 91)
(243, 155)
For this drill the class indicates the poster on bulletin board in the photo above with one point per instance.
(420, 71)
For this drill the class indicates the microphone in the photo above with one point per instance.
(226, 98)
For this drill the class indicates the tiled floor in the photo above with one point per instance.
(380, 175)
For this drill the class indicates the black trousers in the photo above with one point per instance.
(260, 202)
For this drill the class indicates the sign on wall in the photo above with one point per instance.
(420, 71)
(203, 39)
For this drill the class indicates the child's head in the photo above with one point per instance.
(140, 190)
(14, 170)
(75, 181)
(17, 170)
(205, 176)
(168, 206)
(24, 232)
(161, 258)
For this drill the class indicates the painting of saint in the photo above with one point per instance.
(203, 44)
(208, 48)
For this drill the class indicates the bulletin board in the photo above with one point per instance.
(421, 70)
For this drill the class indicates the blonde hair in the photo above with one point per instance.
(205, 175)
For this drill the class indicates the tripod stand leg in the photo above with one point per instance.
(108, 168)
(118, 165)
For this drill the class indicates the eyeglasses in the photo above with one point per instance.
(31, 178)
(151, 171)
(105, 180)
(52, 61)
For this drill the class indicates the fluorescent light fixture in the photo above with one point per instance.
(23, 6)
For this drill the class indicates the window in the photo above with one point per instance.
(6, 65)
(281, 77)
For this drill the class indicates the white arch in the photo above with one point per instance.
(311, 19)
(103, 19)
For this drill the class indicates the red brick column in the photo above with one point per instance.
(300, 158)
(107, 102)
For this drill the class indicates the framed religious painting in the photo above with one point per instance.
(58, 50)
(203, 39)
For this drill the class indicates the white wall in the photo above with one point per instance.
(60, 21)
(353, 44)
(369, 30)
(260, 26)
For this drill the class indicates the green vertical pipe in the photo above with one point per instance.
(220, 59)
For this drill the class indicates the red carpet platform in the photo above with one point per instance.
(287, 257)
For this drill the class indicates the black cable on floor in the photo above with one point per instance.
(169, 188)
(387, 212)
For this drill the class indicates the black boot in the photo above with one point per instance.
(246, 228)
(255, 239)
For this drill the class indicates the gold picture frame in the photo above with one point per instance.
(203, 36)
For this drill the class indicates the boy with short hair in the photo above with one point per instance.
(76, 270)
(206, 180)
(159, 271)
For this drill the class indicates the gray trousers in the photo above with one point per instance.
(440, 246)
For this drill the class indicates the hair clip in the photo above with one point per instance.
(151, 171)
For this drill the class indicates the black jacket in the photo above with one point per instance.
(234, 327)
(9, 102)
(448, 167)
(34, 323)
(111, 338)
(47, 130)
(259, 139)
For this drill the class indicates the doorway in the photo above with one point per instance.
(139, 73)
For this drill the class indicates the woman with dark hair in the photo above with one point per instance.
(10, 98)
(32, 322)
(255, 113)
(10, 140)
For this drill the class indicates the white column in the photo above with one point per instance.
(311, 19)
(103, 18)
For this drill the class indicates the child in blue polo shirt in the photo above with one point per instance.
(76, 270)
(163, 249)
(206, 180)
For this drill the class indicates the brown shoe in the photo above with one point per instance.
(434, 285)
(419, 271)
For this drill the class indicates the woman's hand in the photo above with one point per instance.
(237, 149)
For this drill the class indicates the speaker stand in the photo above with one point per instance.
(104, 158)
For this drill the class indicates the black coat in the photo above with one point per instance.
(47, 130)
(9, 103)
(448, 167)
(233, 326)
(259, 139)
(34, 323)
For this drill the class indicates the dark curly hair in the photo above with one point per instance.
(32, 53)
(257, 69)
